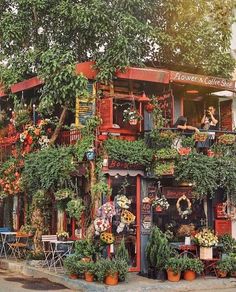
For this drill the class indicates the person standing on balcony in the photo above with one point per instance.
(209, 120)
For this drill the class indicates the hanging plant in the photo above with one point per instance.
(200, 137)
(166, 153)
(75, 208)
(62, 197)
(164, 169)
(132, 116)
(161, 202)
(226, 139)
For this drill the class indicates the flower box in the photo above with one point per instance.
(206, 253)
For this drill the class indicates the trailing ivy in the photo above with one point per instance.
(201, 171)
(48, 169)
(133, 152)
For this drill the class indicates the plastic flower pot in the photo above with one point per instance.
(111, 279)
(158, 209)
(88, 277)
(172, 276)
(189, 275)
(73, 276)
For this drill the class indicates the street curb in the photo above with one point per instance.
(136, 283)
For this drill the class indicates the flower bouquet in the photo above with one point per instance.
(122, 201)
(206, 239)
(160, 204)
(107, 210)
(101, 225)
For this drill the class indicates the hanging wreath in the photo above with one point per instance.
(184, 213)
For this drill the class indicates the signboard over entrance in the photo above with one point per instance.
(202, 80)
(177, 192)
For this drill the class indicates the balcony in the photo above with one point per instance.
(69, 137)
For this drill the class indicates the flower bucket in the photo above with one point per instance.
(189, 275)
(133, 122)
(88, 277)
(111, 279)
(206, 253)
(173, 277)
(187, 240)
(221, 274)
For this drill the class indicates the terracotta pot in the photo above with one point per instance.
(233, 274)
(189, 275)
(111, 279)
(88, 277)
(221, 274)
(184, 151)
(86, 260)
(173, 277)
(73, 276)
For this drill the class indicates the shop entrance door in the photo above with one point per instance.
(130, 232)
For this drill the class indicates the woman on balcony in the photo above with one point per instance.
(181, 124)
(209, 122)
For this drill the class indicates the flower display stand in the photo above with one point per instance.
(206, 253)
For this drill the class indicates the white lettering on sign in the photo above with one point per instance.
(203, 80)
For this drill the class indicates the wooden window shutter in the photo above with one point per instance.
(106, 112)
(226, 117)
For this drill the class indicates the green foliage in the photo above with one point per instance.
(201, 171)
(32, 255)
(62, 196)
(105, 267)
(48, 169)
(224, 265)
(160, 139)
(83, 145)
(229, 243)
(157, 249)
(175, 264)
(122, 252)
(194, 265)
(133, 152)
(165, 168)
(75, 208)
(166, 153)
(188, 142)
(71, 264)
(85, 248)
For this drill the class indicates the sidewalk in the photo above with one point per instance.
(134, 282)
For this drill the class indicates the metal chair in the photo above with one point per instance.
(47, 249)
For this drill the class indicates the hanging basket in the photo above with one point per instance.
(133, 122)
(158, 209)
(149, 107)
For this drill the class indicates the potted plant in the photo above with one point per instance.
(88, 269)
(131, 115)
(228, 244)
(75, 208)
(206, 239)
(164, 169)
(226, 139)
(62, 235)
(122, 252)
(174, 267)
(223, 267)
(160, 204)
(157, 253)
(200, 137)
(166, 154)
(233, 264)
(85, 249)
(70, 264)
(191, 267)
(187, 144)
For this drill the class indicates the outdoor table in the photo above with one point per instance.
(185, 249)
(4, 236)
(57, 253)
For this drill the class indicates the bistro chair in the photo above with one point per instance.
(47, 249)
(20, 246)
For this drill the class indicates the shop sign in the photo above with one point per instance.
(202, 80)
(177, 192)
(114, 164)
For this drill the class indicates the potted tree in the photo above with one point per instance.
(88, 269)
(174, 267)
(191, 267)
(157, 253)
(85, 249)
(223, 267)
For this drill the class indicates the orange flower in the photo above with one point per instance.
(37, 132)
